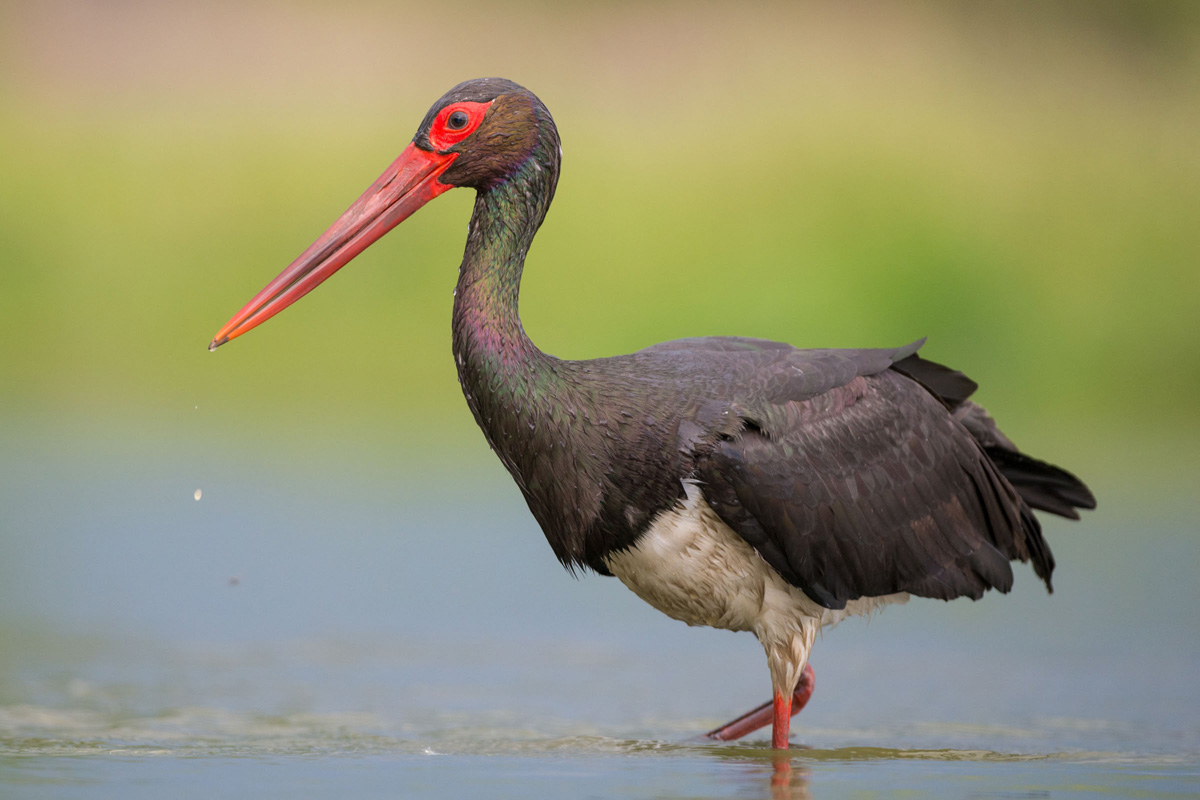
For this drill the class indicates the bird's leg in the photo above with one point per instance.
(782, 721)
(767, 713)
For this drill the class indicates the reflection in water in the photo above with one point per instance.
(788, 781)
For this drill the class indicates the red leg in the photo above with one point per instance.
(766, 713)
(782, 721)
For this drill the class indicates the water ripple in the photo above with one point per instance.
(29, 730)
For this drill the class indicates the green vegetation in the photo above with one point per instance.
(1024, 191)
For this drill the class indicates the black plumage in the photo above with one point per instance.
(851, 473)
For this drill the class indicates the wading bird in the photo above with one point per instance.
(738, 483)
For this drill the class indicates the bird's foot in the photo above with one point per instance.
(765, 714)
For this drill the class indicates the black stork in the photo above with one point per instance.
(738, 483)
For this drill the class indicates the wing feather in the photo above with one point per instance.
(869, 488)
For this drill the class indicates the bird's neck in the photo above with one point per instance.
(558, 426)
(504, 376)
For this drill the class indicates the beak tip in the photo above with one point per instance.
(215, 343)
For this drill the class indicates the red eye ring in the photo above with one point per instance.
(456, 122)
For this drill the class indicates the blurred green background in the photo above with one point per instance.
(1020, 182)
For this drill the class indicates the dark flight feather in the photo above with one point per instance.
(1043, 486)
(870, 487)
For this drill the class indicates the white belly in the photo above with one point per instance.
(691, 566)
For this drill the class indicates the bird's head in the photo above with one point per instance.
(479, 134)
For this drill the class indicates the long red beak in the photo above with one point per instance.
(409, 183)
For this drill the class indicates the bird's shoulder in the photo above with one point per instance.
(760, 370)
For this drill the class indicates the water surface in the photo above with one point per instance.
(342, 626)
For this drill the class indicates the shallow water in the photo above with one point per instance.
(331, 626)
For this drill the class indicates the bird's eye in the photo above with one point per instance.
(455, 123)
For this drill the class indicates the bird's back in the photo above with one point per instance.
(852, 473)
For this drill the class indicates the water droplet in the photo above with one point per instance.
(197, 495)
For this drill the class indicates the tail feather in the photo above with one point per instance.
(1042, 486)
